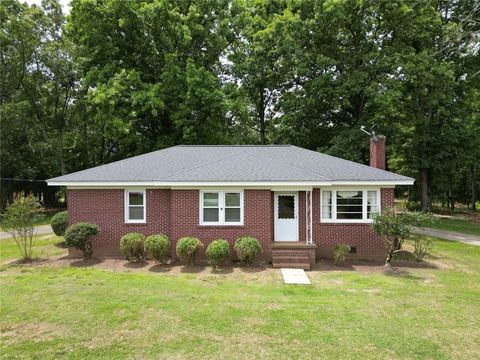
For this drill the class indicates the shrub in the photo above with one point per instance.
(403, 255)
(131, 246)
(157, 247)
(340, 252)
(247, 249)
(395, 228)
(80, 236)
(413, 205)
(19, 220)
(187, 249)
(217, 251)
(422, 247)
(59, 223)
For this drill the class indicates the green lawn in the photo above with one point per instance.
(460, 225)
(67, 312)
(45, 246)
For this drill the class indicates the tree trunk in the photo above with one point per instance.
(261, 118)
(451, 200)
(262, 132)
(389, 258)
(61, 158)
(472, 184)
(262, 128)
(425, 192)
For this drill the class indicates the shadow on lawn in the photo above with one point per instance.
(160, 268)
(252, 269)
(405, 274)
(84, 262)
(62, 245)
(192, 269)
(135, 264)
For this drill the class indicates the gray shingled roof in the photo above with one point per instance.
(247, 163)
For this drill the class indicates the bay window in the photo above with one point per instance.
(221, 207)
(135, 206)
(349, 205)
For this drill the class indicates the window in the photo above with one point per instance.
(286, 206)
(349, 205)
(135, 206)
(221, 207)
(326, 204)
(372, 203)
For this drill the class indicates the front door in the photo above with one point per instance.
(286, 216)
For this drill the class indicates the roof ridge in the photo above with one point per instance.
(237, 145)
(205, 164)
(298, 167)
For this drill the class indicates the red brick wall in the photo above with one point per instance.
(176, 214)
(105, 207)
(302, 216)
(377, 152)
(258, 219)
(326, 235)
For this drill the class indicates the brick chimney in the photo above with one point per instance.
(377, 151)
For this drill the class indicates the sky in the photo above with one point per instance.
(64, 3)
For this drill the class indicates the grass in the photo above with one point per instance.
(460, 225)
(44, 247)
(69, 312)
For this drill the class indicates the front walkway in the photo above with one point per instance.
(295, 276)
(450, 235)
(41, 230)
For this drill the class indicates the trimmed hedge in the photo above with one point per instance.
(217, 251)
(59, 223)
(80, 236)
(131, 246)
(247, 248)
(157, 247)
(187, 249)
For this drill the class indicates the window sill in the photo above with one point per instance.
(352, 222)
(136, 223)
(220, 226)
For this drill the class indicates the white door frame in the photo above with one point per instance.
(281, 226)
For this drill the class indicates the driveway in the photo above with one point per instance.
(41, 230)
(450, 235)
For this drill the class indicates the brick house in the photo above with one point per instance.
(298, 203)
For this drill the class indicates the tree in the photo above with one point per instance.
(150, 73)
(37, 88)
(395, 228)
(19, 220)
(257, 61)
(434, 47)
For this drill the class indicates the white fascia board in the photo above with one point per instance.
(243, 184)
(190, 184)
(375, 183)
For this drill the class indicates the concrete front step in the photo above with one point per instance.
(289, 265)
(289, 258)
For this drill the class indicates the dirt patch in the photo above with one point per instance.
(263, 273)
(36, 332)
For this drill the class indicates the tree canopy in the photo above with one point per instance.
(117, 78)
